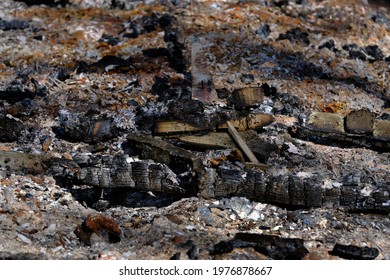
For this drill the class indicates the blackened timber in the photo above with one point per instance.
(310, 190)
(292, 190)
(184, 163)
(270, 245)
(120, 171)
(341, 139)
(15, 96)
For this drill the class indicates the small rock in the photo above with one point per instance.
(355, 52)
(23, 238)
(230, 80)
(205, 213)
(329, 45)
(374, 51)
(13, 24)
(247, 78)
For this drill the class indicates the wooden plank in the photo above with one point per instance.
(212, 140)
(251, 121)
(259, 166)
(247, 97)
(241, 143)
(17, 161)
(165, 127)
(240, 124)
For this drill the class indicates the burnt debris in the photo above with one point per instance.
(296, 35)
(354, 252)
(193, 130)
(105, 227)
(13, 24)
(275, 247)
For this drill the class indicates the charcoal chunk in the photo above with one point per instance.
(354, 252)
(22, 256)
(355, 52)
(263, 31)
(329, 45)
(374, 51)
(274, 247)
(13, 24)
(111, 40)
(296, 35)
(10, 129)
(193, 252)
(222, 248)
(165, 20)
(175, 256)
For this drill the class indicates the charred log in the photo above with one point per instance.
(338, 139)
(273, 246)
(185, 164)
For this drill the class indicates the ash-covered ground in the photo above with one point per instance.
(115, 137)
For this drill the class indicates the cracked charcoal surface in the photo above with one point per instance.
(84, 83)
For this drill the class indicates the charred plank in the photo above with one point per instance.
(184, 163)
(272, 246)
(340, 139)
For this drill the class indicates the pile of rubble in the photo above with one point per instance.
(194, 129)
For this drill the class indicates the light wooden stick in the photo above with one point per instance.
(241, 143)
